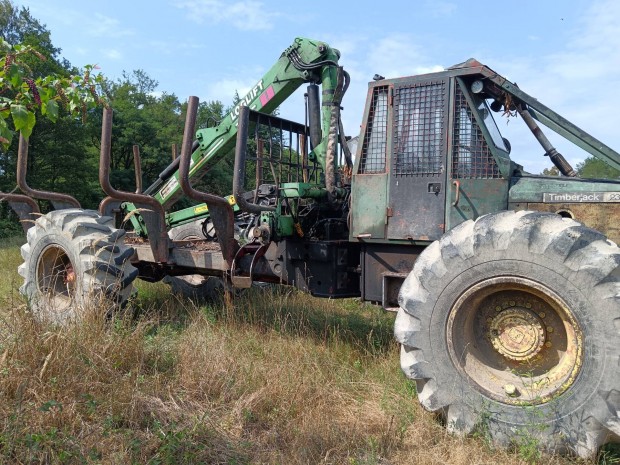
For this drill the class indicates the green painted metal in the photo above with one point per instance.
(285, 226)
(135, 219)
(501, 158)
(197, 212)
(532, 188)
(302, 190)
(266, 95)
(369, 207)
(476, 198)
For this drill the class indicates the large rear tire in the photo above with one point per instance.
(510, 325)
(75, 261)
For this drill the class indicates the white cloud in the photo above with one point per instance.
(225, 88)
(245, 15)
(112, 54)
(398, 55)
(105, 26)
(162, 47)
(441, 8)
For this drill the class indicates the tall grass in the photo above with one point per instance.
(280, 378)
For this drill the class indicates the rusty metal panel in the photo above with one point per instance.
(600, 216)
(368, 206)
(417, 185)
(205, 261)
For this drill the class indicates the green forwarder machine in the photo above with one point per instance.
(506, 284)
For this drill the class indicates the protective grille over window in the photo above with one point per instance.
(418, 129)
(375, 139)
(471, 157)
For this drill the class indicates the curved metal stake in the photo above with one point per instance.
(154, 215)
(25, 207)
(60, 201)
(220, 210)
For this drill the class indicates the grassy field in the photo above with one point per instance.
(281, 379)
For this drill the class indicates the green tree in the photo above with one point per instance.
(38, 87)
(553, 171)
(18, 26)
(595, 168)
(142, 117)
(218, 180)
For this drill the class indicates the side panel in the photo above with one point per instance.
(370, 178)
(475, 198)
(594, 202)
(477, 185)
(368, 204)
(322, 268)
(418, 155)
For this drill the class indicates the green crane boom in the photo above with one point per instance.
(305, 61)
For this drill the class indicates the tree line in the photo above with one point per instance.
(64, 149)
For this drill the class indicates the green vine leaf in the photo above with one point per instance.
(21, 95)
(51, 110)
(14, 75)
(23, 119)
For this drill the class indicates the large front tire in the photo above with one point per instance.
(511, 325)
(75, 261)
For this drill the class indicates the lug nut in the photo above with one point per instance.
(511, 390)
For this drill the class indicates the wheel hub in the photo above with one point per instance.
(515, 340)
(56, 279)
(517, 333)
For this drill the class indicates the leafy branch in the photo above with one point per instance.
(22, 95)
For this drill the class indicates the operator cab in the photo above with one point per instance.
(426, 142)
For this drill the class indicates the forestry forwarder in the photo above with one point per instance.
(506, 285)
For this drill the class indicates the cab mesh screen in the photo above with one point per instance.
(418, 129)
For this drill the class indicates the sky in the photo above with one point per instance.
(566, 54)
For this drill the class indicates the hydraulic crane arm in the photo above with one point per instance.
(305, 61)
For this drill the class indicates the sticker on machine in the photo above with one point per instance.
(169, 187)
(581, 197)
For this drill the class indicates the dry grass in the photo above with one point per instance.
(282, 379)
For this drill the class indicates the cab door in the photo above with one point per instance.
(480, 165)
(417, 185)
